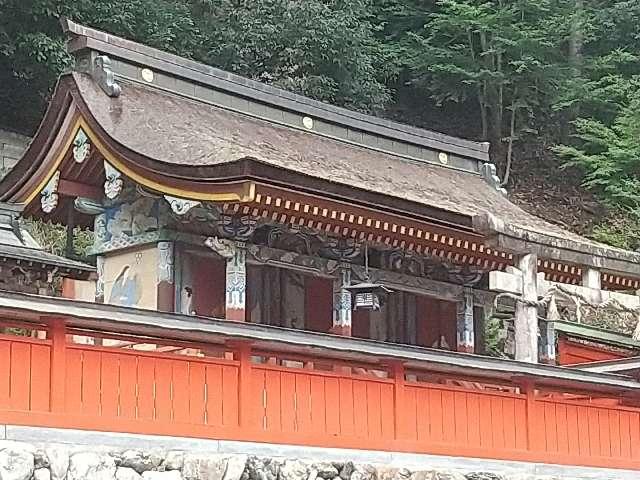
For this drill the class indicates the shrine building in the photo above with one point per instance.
(300, 273)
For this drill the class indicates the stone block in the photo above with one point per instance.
(140, 461)
(326, 470)
(260, 468)
(174, 460)
(58, 457)
(40, 459)
(91, 465)
(204, 466)
(169, 475)
(364, 472)
(127, 473)
(41, 474)
(294, 470)
(16, 461)
(236, 465)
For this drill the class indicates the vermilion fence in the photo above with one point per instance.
(235, 393)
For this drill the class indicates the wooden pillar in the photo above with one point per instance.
(236, 284)
(166, 277)
(235, 255)
(548, 344)
(479, 325)
(58, 365)
(342, 303)
(591, 278)
(398, 399)
(246, 415)
(100, 279)
(526, 319)
(465, 325)
(528, 388)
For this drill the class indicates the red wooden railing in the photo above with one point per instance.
(235, 393)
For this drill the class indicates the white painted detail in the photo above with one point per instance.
(113, 183)
(147, 75)
(180, 206)
(49, 194)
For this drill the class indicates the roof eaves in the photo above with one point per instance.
(512, 238)
(588, 332)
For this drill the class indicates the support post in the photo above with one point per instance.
(235, 254)
(591, 278)
(242, 353)
(397, 370)
(166, 279)
(526, 318)
(465, 325)
(528, 388)
(342, 303)
(100, 279)
(548, 347)
(58, 365)
(236, 284)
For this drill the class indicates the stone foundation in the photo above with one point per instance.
(104, 456)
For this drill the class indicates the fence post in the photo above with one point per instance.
(528, 388)
(242, 353)
(58, 366)
(397, 370)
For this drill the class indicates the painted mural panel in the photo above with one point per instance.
(130, 278)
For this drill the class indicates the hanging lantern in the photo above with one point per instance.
(367, 296)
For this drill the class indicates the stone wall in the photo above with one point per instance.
(12, 146)
(53, 461)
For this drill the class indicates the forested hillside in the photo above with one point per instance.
(552, 84)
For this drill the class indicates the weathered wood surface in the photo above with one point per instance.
(526, 319)
(504, 282)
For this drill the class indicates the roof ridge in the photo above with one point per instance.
(89, 38)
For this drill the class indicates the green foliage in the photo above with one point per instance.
(326, 50)
(620, 229)
(522, 74)
(322, 49)
(53, 238)
(500, 57)
(494, 336)
(610, 156)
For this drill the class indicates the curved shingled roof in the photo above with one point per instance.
(179, 121)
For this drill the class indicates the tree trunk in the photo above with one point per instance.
(512, 132)
(575, 60)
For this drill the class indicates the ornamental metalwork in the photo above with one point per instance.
(239, 227)
(292, 260)
(104, 76)
(222, 246)
(165, 262)
(490, 175)
(81, 146)
(49, 195)
(113, 183)
(342, 299)
(100, 279)
(424, 266)
(180, 206)
(340, 248)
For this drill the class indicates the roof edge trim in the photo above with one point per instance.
(518, 240)
(89, 38)
(241, 191)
